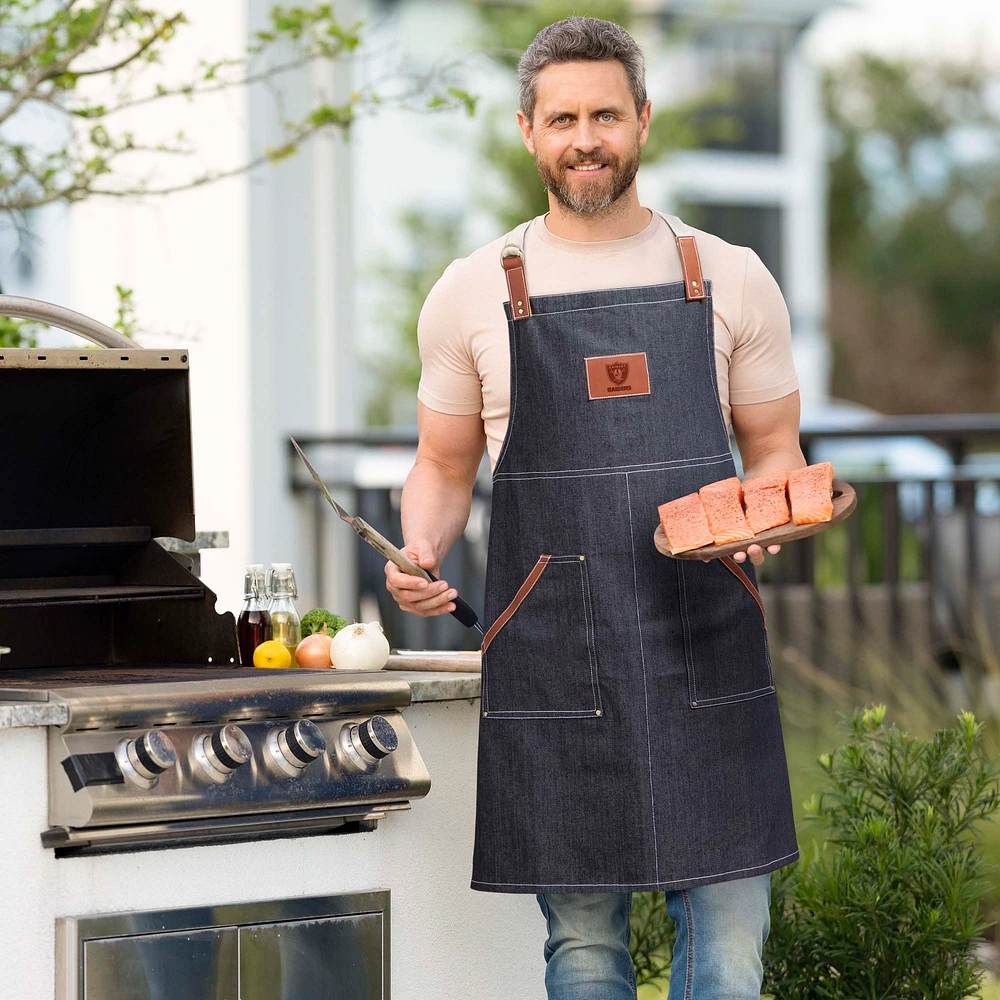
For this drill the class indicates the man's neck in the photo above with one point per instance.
(625, 217)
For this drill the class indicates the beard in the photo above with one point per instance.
(595, 196)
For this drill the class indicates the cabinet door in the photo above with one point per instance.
(189, 965)
(329, 958)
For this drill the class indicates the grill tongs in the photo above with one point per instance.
(463, 612)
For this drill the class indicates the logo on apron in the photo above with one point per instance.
(617, 372)
(617, 375)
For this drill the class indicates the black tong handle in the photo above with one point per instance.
(463, 612)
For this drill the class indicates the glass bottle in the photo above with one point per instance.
(254, 623)
(286, 625)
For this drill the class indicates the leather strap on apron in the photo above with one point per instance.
(687, 248)
(512, 259)
(734, 567)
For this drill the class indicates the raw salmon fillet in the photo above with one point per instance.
(685, 524)
(810, 492)
(765, 501)
(723, 502)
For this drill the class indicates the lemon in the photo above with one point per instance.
(272, 655)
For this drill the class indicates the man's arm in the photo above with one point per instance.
(768, 438)
(437, 497)
(768, 435)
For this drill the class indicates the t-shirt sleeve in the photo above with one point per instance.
(449, 380)
(761, 367)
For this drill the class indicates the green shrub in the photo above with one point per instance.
(888, 906)
(652, 941)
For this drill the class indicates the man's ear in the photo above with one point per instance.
(644, 117)
(526, 132)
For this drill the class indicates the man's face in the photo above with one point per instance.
(585, 134)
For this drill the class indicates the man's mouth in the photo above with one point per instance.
(587, 168)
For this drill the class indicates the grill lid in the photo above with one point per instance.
(102, 440)
(100, 464)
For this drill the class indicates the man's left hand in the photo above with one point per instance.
(755, 552)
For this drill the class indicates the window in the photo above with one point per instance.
(739, 71)
(756, 226)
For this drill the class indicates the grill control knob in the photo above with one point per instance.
(143, 760)
(377, 737)
(223, 752)
(367, 743)
(294, 747)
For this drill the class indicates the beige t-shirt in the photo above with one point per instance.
(462, 330)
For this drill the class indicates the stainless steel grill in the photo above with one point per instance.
(193, 761)
(169, 741)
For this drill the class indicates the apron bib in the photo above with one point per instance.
(629, 738)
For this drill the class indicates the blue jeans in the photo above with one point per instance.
(721, 930)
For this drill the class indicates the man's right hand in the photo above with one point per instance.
(414, 593)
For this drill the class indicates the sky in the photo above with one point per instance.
(917, 27)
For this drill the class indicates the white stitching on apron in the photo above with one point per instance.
(509, 436)
(614, 305)
(520, 477)
(637, 466)
(638, 885)
(645, 692)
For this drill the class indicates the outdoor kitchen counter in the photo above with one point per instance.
(426, 685)
(423, 855)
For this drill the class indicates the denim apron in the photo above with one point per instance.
(629, 737)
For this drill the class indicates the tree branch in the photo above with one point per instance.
(193, 90)
(142, 48)
(26, 55)
(54, 69)
(83, 165)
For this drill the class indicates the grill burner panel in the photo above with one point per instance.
(180, 709)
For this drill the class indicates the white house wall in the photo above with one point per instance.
(185, 256)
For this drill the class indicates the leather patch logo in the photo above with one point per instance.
(617, 375)
(617, 372)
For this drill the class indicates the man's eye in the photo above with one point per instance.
(561, 119)
(607, 117)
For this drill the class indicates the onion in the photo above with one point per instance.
(313, 652)
(360, 647)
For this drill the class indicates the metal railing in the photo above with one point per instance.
(917, 561)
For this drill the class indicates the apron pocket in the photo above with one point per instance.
(725, 640)
(539, 656)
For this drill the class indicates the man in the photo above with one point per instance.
(629, 735)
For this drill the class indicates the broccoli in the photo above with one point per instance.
(314, 620)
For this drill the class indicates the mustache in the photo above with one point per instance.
(597, 156)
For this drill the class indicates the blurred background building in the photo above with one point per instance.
(867, 179)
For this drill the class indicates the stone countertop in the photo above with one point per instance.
(434, 685)
(426, 685)
(24, 714)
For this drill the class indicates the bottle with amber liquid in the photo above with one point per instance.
(254, 623)
(286, 626)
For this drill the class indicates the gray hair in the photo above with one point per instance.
(580, 39)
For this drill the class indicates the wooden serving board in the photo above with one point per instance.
(844, 502)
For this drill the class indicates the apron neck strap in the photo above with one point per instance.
(687, 247)
(512, 259)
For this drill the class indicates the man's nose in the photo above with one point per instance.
(585, 138)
